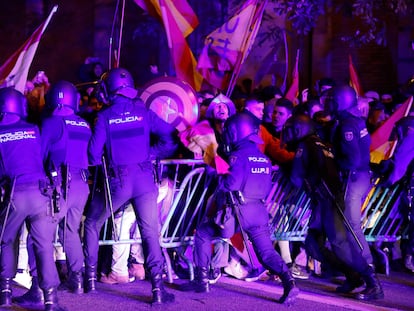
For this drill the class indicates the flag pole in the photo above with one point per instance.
(245, 46)
(118, 53)
(53, 11)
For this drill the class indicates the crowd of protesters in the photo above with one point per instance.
(270, 116)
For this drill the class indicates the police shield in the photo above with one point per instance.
(173, 100)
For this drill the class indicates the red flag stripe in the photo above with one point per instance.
(354, 79)
(14, 71)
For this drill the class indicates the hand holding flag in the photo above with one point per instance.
(15, 70)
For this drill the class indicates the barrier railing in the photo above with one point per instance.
(288, 207)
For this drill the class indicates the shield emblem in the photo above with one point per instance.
(348, 136)
(173, 100)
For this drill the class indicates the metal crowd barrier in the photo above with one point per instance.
(288, 208)
(191, 182)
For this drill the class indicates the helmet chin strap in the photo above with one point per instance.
(8, 118)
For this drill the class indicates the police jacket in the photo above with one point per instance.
(65, 141)
(125, 129)
(250, 171)
(351, 142)
(314, 165)
(20, 153)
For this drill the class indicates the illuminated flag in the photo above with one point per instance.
(381, 148)
(179, 21)
(226, 48)
(184, 15)
(353, 78)
(183, 59)
(15, 70)
(293, 90)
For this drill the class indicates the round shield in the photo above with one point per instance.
(173, 100)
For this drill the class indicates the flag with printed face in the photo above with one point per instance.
(354, 79)
(293, 90)
(226, 48)
(381, 148)
(16, 68)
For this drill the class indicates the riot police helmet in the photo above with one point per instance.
(13, 102)
(119, 81)
(241, 126)
(344, 97)
(297, 127)
(62, 94)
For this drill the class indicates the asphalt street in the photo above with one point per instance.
(231, 294)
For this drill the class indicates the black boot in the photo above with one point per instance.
(353, 280)
(90, 279)
(6, 292)
(290, 291)
(373, 288)
(51, 300)
(201, 280)
(74, 283)
(33, 296)
(159, 294)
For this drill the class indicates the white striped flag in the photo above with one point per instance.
(16, 68)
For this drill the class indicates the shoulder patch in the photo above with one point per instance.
(299, 153)
(232, 160)
(349, 136)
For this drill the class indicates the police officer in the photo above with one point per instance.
(250, 177)
(65, 138)
(22, 172)
(123, 130)
(315, 167)
(351, 142)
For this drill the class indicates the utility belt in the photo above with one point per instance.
(122, 170)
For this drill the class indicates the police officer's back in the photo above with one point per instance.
(249, 177)
(22, 168)
(65, 138)
(124, 130)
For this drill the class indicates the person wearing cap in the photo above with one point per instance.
(204, 139)
(123, 137)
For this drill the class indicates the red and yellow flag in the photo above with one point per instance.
(293, 90)
(381, 148)
(179, 21)
(353, 78)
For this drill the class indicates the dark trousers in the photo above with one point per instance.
(134, 184)
(254, 220)
(69, 227)
(326, 221)
(30, 206)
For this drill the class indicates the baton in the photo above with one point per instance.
(345, 220)
(8, 208)
(244, 235)
(108, 197)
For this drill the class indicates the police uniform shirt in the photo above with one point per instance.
(65, 140)
(125, 130)
(351, 143)
(20, 150)
(250, 171)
